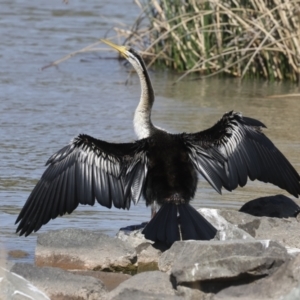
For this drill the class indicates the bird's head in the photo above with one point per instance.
(130, 54)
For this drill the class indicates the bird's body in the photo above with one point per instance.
(171, 174)
(160, 166)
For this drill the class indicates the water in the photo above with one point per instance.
(41, 111)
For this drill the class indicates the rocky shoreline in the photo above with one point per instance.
(253, 256)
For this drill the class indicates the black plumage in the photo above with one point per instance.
(161, 167)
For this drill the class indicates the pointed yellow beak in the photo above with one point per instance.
(121, 49)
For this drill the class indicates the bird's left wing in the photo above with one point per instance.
(234, 149)
(85, 170)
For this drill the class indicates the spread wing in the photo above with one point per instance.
(234, 149)
(85, 170)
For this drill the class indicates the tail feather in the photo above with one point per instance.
(204, 230)
(163, 218)
(156, 224)
(164, 227)
(172, 232)
(187, 224)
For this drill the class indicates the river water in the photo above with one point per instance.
(41, 111)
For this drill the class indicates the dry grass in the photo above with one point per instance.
(242, 38)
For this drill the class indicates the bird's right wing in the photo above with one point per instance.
(85, 170)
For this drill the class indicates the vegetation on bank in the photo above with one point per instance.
(241, 38)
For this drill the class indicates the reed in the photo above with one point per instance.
(242, 38)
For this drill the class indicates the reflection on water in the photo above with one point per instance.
(42, 111)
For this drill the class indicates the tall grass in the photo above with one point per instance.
(242, 38)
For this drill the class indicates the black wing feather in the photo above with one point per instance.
(85, 170)
(235, 149)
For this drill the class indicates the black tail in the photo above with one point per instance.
(164, 227)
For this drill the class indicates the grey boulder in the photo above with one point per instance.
(195, 261)
(57, 283)
(85, 250)
(15, 287)
(146, 285)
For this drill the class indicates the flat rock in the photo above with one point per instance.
(15, 287)
(110, 280)
(278, 206)
(194, 261)
(146, 285)
(84, 249)
(265, 227)
(138, 294)
(59, 284)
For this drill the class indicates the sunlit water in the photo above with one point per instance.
(41, 111)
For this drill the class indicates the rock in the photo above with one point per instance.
(226, 230)
(195, 261)
(294, 294)
(138, 294)
(193, 293)
(241, 263)
(133, 235)
(60, 284)
(266, 228)
(109, 279)
(284, 283)
(148, 256)
(146, 285)
(84, 249)
(15, 287)
(278, 206)
(148, 252)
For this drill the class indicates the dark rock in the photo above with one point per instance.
(84, 249)
(15, 287)
(195, 261)
(278, 206)
(284, 283)
(57, 283)
(146, 285)
(136, 227)
(275, 229)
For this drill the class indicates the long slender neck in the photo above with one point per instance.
(142, 117)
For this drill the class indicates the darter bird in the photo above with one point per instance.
(161, 167)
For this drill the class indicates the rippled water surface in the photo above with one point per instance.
(41, 111)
